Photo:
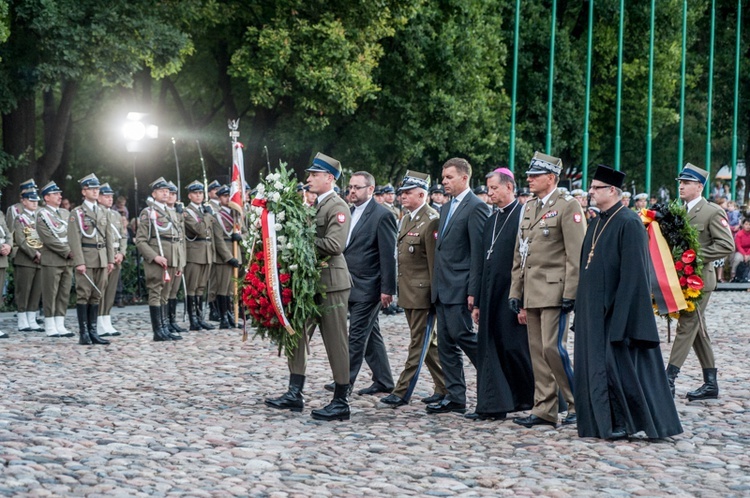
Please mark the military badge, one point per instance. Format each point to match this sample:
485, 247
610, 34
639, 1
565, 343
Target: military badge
577, 218
341, 217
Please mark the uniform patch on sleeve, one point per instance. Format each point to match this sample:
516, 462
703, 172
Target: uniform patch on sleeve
341, 217
724, 222
577, 217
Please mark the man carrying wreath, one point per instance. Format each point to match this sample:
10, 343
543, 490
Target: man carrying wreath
332, 222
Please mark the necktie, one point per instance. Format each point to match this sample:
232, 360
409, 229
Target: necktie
539, 205
454, 203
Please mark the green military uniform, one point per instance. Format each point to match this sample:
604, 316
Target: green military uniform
224, 260
6, 242
545, 273
212, 284
175, 212
117, 231
26, 260
199, 246
416, 252
159, 235
93, 252
716, 242
57, 264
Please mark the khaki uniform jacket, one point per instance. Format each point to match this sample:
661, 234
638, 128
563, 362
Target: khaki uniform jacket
416, 257
714, 236
222, 231
332, 222
118, 232
52, 228
12, 213
155, 218
555, 237
199, 235
6, 237
23, 253
87, 236
179, 222
393, 209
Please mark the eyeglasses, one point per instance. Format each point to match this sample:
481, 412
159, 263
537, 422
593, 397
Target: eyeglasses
357, 187
597, 187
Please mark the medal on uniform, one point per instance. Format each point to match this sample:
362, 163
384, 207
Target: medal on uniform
523, 250
411, 249
545, 230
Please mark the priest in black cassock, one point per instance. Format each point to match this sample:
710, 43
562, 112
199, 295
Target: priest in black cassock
620, 385
505, 380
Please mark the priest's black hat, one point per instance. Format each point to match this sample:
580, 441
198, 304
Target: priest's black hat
607, 175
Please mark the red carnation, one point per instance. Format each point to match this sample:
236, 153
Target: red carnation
263, 302
689, 270
285, 300
679, 265
688, 256
284, 278
254, 268
259, 256
287, 293
683, 281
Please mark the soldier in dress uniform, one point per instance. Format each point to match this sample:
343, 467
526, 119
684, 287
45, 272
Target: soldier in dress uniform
389, 198
17, 208
626, 199
27, 257
157, 239
57, 260
93, 257
224, 236
545, 281
176, 210
117, 232
416, 252
523, 195
437, 196
199, 245
6, 246
215, 206
641, 201
332, 220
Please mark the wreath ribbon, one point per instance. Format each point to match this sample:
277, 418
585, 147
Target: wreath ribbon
268, 230
664, 281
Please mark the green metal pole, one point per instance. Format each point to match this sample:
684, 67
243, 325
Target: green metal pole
589, 51
710, 96
736, 102
681, 140
553, 25
619, 85
512, 158
649, 134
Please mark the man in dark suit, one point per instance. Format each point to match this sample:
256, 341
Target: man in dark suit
456, 280
370, 255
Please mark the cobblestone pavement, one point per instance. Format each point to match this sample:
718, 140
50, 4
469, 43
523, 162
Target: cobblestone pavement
139, 418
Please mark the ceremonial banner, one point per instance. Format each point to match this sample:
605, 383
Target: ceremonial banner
237, 189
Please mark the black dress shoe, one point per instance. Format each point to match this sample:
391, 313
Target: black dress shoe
394, 401
570, 419
435, 398
617, 434
446, 406
485, 416
373, 389
532, 420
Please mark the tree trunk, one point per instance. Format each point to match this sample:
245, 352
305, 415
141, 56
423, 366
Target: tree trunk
57, 119
19, 137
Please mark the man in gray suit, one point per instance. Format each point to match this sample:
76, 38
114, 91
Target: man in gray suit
456, 280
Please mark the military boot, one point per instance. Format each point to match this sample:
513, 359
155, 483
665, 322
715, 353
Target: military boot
160, 335
338, 408
223, 302
213, 314
292, 399
199, 314
710, 388
93, 315
192, 313
172, 308
672, 372
83, 324
165, 323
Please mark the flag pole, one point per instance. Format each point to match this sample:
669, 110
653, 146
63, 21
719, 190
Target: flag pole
234, 134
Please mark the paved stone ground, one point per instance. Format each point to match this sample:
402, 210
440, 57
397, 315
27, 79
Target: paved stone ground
139, 418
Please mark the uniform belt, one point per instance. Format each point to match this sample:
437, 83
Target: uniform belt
100, 245
172, 239
227, 240
207, 239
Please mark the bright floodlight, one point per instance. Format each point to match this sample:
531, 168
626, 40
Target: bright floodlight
152, 131
134, 131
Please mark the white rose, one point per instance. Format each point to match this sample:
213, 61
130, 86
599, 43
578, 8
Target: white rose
278, 227
261, 190
289, 246
293, 267
278, 186
281, 216
275, 197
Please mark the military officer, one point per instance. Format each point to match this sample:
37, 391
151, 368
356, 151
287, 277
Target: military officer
199, 245
27, 258
117, 231
93, 257
389, 197
158, 239
6, 246
57, 260
176, 210
332, 221
544, 282
224, 236
416, 252
17, 208
215, 206
716, 242
437, 196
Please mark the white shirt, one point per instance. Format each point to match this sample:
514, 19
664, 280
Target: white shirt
690, 205
324, 195
356, 215
91, 205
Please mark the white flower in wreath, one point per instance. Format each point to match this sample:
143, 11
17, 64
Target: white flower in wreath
293, 267
274, 197
289, 246
281, 239
261, 190
278, 186
278, 227
281, 216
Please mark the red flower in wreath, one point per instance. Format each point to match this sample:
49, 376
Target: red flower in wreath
688, 256
689, 270
679, 265
683, 281
695, 282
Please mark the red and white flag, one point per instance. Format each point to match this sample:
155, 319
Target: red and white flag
237, 189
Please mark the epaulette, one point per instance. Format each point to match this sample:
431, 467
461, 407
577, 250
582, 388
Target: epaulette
432, 216
568, 197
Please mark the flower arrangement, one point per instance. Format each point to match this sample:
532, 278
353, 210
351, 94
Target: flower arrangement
682, 239
282, 276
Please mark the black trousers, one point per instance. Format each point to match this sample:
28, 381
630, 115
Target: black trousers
366, 343
455, 333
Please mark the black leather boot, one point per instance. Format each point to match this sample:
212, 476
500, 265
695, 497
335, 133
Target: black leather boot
93, 314
213, 310
292, 399
165, 323
338, 408
159, 334
223, 301
199, 314
83, 324
672, 372
172, 306
192, 317
710, 388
